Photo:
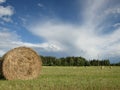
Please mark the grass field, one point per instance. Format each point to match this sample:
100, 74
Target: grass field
69, 78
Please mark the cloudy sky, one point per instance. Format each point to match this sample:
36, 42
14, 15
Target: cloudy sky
88, 28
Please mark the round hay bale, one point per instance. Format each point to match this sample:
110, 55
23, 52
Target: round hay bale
21, 63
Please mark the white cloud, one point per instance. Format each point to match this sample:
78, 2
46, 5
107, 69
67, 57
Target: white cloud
116, 25
44, 46
6, 12
85, 40
2, 1
9, 40
113, 11
7, 19
93, 11
6, 37
78, 40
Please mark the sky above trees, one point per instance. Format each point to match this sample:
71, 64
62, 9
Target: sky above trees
88, 28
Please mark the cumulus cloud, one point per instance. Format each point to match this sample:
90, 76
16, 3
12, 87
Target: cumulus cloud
2, 1
86, 39
6, 12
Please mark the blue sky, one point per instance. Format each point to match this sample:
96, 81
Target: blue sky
88, 28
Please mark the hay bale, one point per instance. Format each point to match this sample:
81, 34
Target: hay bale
21, 63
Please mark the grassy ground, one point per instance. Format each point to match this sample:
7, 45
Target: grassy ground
69, 78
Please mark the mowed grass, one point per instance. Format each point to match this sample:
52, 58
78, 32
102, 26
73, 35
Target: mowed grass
69, 78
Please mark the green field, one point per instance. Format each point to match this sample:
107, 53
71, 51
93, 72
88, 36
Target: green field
69, 78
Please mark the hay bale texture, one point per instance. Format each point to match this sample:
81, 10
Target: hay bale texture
21, 63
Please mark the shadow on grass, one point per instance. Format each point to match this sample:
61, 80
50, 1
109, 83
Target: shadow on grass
2, 77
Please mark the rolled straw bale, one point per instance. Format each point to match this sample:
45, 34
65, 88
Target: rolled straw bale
21, 63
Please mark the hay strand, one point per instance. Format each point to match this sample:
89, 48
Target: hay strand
21, 63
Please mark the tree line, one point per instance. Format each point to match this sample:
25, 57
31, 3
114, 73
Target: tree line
74, 61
